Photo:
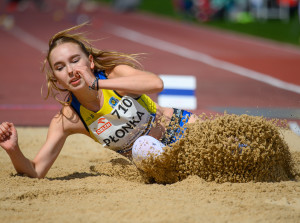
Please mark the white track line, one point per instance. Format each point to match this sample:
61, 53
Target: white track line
204, 58
254, 40
28, 38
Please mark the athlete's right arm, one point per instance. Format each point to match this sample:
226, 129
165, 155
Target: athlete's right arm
60, 128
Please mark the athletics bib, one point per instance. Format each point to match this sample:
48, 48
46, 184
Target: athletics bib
119, 129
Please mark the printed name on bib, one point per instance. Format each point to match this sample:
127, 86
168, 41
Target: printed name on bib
120, 133
127, 121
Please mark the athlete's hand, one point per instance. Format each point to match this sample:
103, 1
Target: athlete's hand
8, 136
86, 73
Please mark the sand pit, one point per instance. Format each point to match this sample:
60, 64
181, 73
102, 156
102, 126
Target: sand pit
226, 148
90, 184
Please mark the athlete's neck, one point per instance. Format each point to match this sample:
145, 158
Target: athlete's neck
89, 99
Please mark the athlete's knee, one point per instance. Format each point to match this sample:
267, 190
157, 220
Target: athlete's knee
194, 118
145, 146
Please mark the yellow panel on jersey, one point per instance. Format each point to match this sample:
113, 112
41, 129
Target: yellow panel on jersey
120, 121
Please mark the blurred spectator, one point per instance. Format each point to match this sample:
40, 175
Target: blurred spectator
242, 11
8, 7
75, 14
185, 7
21, 5
126, 5
73, 5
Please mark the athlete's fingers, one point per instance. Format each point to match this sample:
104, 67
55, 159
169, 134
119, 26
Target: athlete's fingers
5, 129
11, 126
77, 70
86, 74
6, 125
2, 133
2, 137
82, 70
2, 129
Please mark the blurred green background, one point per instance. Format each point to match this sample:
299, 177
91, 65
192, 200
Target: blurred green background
278, 29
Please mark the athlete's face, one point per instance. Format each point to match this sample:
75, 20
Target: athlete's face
67, 61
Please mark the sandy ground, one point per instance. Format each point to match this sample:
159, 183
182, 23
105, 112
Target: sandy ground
90, 184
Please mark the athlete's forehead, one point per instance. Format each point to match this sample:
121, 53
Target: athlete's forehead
65, 48
64, 51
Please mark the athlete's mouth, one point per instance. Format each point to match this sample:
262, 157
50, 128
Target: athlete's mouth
74, 80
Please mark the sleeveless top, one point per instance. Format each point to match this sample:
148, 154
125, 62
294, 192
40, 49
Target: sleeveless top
120, 120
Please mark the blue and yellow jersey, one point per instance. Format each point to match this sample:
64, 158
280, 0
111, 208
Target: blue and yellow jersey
120, 120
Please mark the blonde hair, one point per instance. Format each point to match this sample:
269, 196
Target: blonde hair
103, 60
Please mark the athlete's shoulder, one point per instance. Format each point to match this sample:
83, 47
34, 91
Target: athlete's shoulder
69, 121
121, 70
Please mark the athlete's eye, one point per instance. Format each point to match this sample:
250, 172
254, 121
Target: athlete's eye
59, 68
75, 59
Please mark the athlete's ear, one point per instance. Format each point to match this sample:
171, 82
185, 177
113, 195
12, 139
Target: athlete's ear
91, 59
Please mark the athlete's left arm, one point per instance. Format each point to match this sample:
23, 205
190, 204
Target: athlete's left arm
126, 79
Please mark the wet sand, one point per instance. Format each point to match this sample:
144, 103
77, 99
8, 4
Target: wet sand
88, 183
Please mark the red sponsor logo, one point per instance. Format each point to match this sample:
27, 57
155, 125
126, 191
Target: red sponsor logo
103, 127
101, 120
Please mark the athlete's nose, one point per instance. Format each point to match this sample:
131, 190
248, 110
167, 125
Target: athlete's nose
70, 70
